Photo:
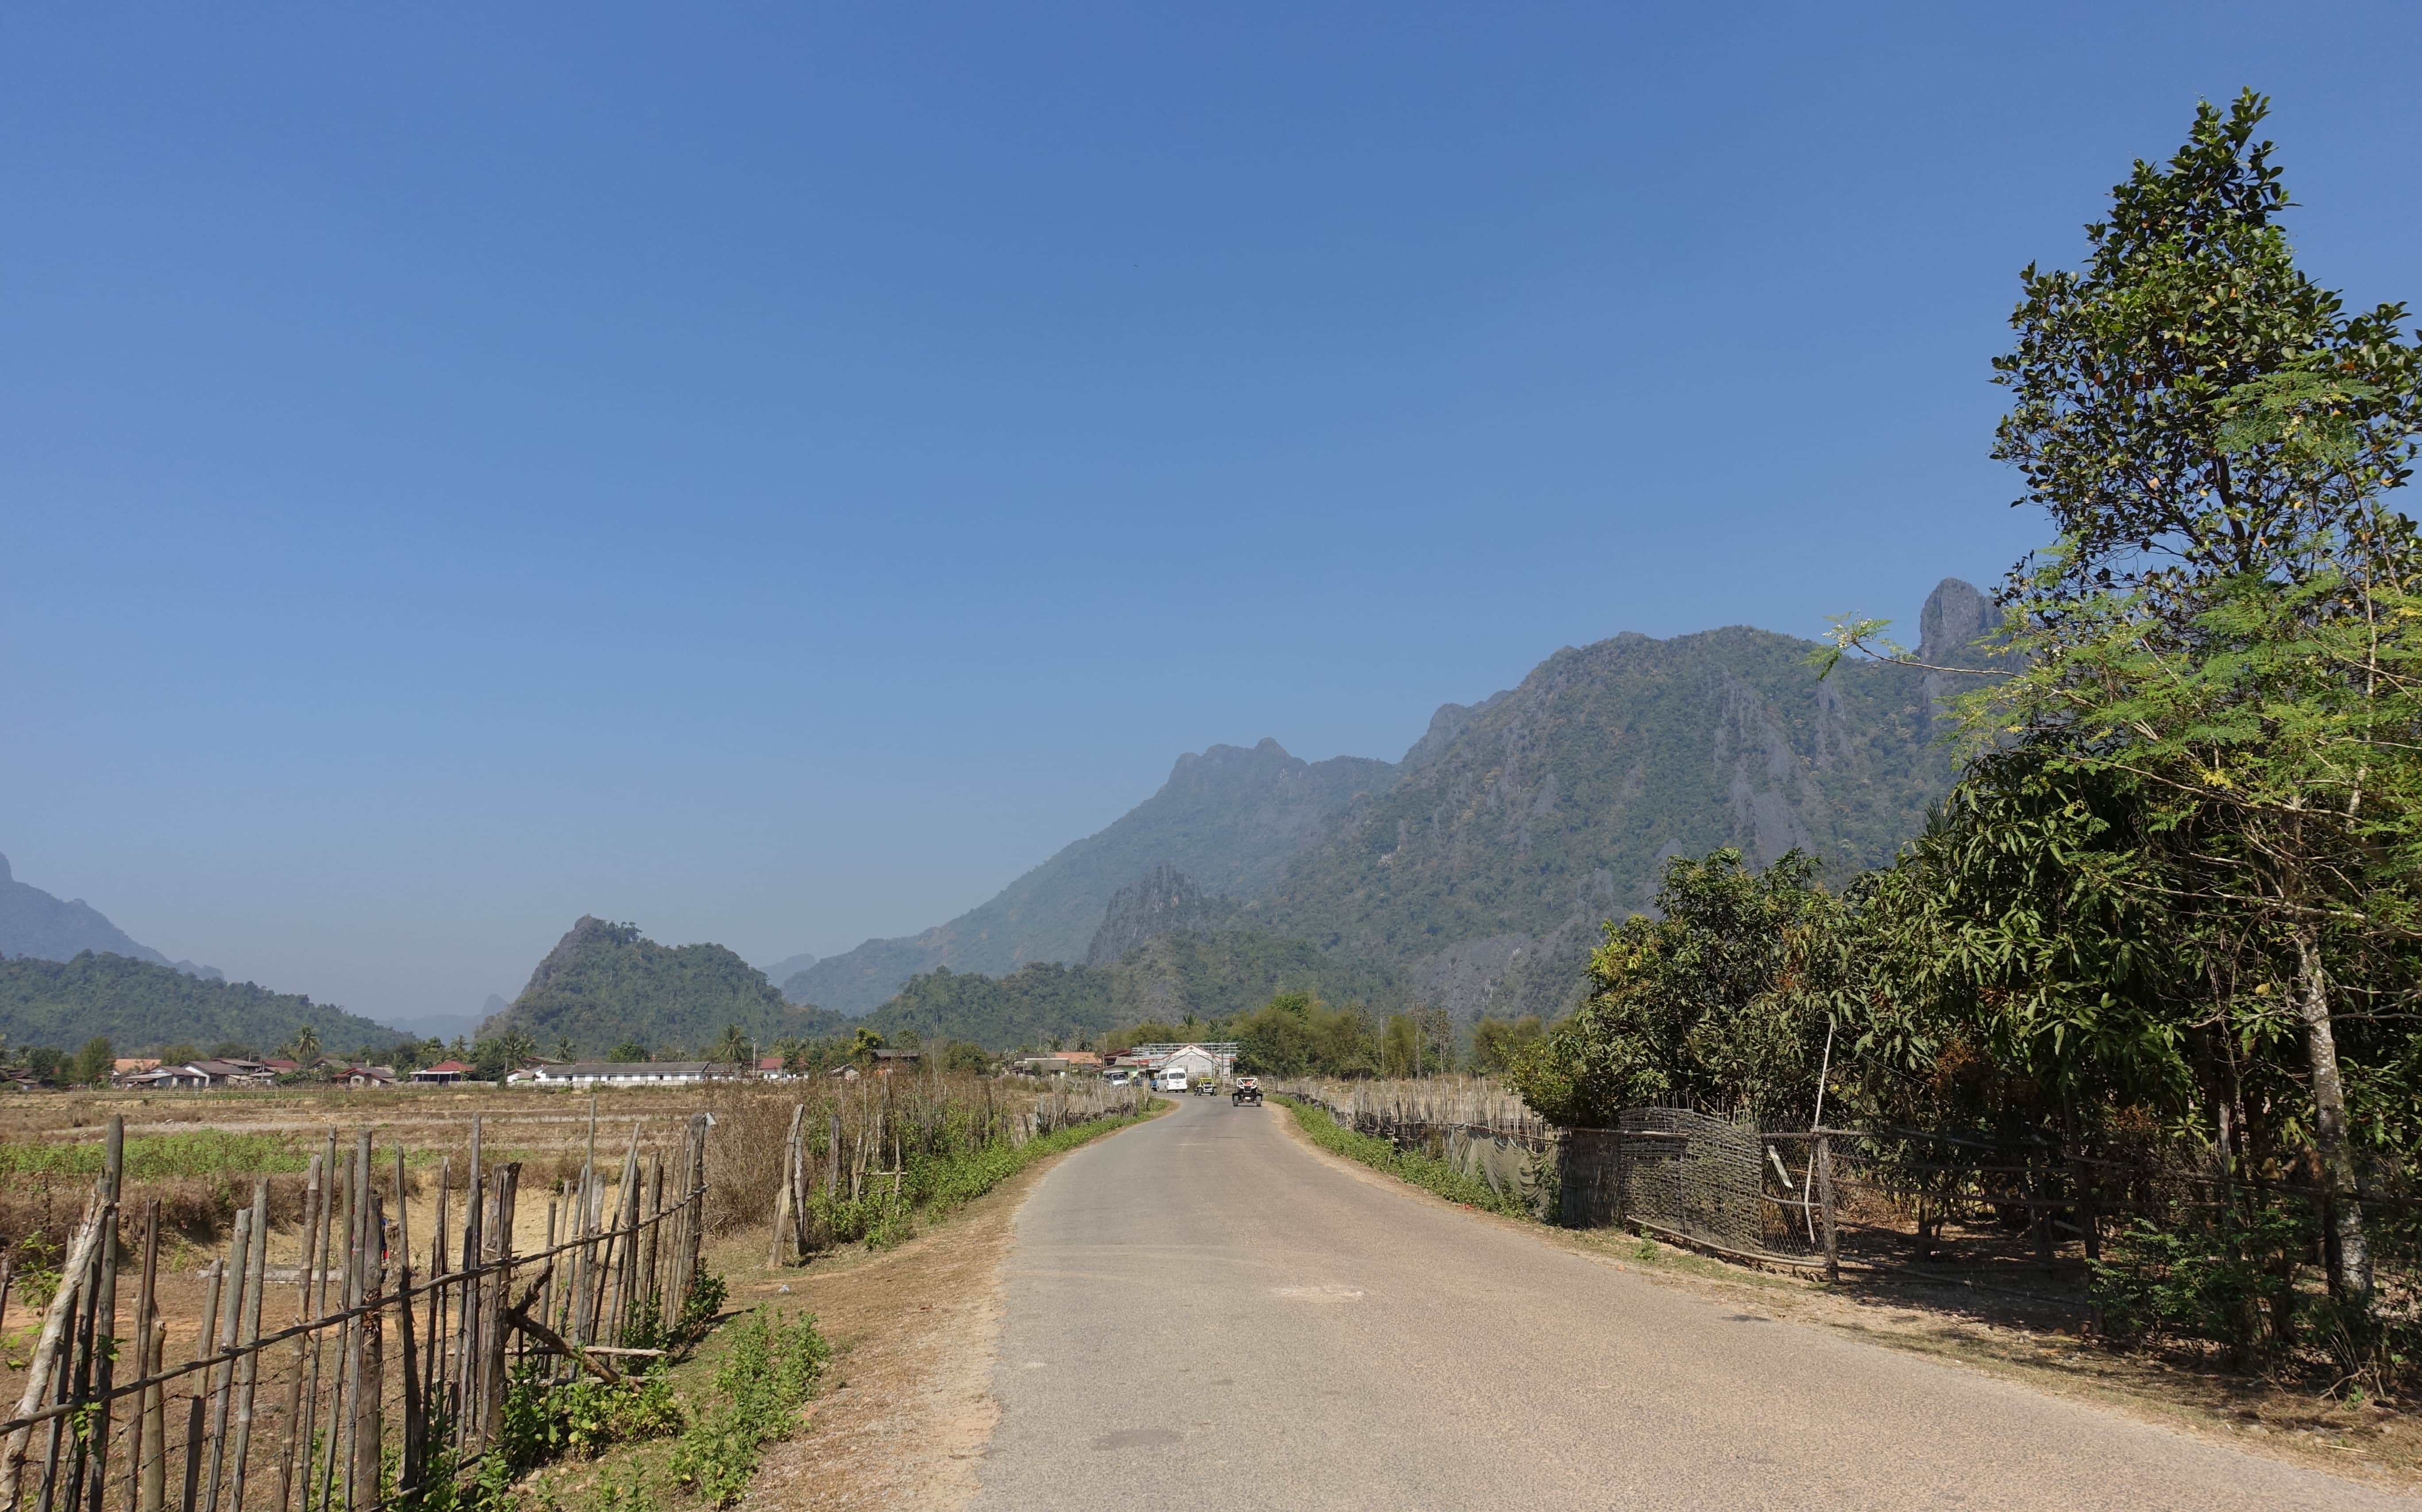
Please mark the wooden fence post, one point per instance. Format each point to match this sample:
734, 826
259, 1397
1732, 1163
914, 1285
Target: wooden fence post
1825, 1196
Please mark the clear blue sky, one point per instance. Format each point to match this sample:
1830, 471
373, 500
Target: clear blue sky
775, 473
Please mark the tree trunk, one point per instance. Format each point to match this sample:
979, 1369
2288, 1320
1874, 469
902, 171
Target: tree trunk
2350, 1252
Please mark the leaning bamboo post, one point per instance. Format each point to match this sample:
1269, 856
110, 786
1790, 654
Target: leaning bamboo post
75, 1381
466, 1326
367, 1435
248, 1369
432, 1388
341, 1385
545, 1302
508, 1185
146, 1314
318, 1252
153, 1493
577, 1293
214, 1282
344, 1412
289, 1433
466, 1307
194, 1407
39, 1373
654, 1289
409, 1471
113, 1172
774, 1255
625, 1243
223, 1375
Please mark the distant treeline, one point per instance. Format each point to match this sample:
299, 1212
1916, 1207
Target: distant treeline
1182, 977
139, 1007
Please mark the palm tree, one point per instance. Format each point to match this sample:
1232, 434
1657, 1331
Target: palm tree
735, 1048
306, 1046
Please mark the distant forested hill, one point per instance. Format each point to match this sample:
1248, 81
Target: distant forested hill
605, 984
1206, 975
142, 1005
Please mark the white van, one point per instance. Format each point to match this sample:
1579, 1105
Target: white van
1173, 1081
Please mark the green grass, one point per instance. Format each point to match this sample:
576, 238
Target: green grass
933, 1185
203, 1153
769, 1375
1422, 1171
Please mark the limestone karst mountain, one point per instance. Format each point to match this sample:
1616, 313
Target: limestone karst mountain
1475, 873
604, 984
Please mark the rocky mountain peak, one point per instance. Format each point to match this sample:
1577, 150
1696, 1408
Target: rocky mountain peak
1163, 900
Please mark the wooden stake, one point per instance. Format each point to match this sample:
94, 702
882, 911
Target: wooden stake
248, 1369
223, 1375
41, 1371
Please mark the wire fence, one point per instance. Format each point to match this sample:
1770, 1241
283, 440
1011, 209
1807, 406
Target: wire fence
385, 1389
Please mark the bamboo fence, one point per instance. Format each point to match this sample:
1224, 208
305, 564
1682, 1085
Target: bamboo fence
390, 1381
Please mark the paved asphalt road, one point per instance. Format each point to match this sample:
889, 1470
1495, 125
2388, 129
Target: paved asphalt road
1203, 1314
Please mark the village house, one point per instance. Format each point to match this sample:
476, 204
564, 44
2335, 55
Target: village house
621, 1074
445, 1073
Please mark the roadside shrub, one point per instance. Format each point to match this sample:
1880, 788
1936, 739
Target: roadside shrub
769, 1373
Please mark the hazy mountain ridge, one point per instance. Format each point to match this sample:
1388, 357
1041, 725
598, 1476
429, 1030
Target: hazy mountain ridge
35, 922
1228, 817
1474, 874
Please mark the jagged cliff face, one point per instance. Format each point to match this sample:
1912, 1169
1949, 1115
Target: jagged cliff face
1164, 900
1228, 818
1486, 872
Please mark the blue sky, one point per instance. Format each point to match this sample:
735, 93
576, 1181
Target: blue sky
775, 473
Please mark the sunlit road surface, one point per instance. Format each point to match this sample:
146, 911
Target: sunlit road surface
1202, 1312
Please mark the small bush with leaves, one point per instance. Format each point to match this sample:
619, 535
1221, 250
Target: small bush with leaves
2228, 1278
771, 1370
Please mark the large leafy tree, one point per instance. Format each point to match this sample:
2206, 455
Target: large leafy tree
2223, 638
1721, 1002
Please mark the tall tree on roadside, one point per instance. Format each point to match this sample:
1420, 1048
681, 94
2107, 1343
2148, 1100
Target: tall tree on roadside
2226, 632
1723, 1001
